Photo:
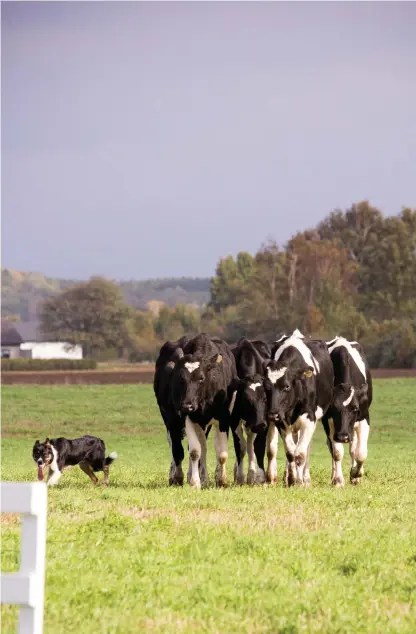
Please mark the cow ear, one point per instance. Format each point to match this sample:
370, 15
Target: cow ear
217, 358
306, 372
362, 390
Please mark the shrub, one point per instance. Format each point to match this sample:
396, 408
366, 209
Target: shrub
22, 364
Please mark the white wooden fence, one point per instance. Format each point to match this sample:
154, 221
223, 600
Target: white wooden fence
26, 587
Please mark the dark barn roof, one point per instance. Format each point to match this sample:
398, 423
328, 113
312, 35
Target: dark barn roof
13, 333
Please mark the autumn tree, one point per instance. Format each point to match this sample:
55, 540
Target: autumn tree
92, 314
229, 283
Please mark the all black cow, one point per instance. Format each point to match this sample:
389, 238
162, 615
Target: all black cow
299, 385
348, 420
249, 413
202, 391
169, 355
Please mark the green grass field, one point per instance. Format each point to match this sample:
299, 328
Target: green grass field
142, 556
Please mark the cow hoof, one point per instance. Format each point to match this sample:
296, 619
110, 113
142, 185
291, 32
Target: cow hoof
176, 482
221, 484
271, 478
307, 482
355, 481
195, 484
337, 482
251, 477
238, 477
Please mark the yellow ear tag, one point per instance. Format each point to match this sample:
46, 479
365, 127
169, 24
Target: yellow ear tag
308, 373
219, 358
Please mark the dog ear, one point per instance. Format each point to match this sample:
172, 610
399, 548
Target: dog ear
47, 442
37, 442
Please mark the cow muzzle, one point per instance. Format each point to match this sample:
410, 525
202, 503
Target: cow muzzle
273, 417
259, 428
342, 438
188, 407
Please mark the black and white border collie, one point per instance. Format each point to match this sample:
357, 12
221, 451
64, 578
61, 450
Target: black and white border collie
59, 453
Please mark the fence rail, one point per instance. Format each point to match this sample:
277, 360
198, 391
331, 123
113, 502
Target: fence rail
26, 587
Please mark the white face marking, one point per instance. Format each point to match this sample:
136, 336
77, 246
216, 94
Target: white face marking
297, 343
353, 352
275, 375
349, 399
253, 386
191, 367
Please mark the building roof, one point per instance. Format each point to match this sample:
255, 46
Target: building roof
13, 333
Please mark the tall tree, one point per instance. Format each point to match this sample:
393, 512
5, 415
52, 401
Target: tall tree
229, 283
92, 314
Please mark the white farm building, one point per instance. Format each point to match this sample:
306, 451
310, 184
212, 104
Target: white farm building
24, 339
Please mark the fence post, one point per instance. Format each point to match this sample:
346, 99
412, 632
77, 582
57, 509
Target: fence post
26, 587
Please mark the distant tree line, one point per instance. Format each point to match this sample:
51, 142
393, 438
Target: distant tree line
353, 275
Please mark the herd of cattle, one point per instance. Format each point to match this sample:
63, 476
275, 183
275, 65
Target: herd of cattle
258, 392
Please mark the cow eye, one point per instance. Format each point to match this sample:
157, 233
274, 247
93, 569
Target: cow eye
201, 380
286, 388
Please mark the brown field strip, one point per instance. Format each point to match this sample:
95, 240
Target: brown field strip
143, 374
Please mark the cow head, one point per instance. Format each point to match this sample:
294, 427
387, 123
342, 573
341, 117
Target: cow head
345, 409
190, 381
252, 396
284, 387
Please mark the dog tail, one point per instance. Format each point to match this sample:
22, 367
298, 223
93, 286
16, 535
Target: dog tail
111, 458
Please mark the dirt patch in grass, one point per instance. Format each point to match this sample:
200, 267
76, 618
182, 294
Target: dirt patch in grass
264, 521
11, 520
132, 376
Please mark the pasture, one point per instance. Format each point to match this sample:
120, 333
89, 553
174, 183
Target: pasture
140, 556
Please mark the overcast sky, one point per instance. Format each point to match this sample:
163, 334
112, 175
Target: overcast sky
150, 139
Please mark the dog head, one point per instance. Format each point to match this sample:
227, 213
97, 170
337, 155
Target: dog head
42, 454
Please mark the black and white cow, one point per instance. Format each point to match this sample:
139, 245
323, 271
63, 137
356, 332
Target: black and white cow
201, 390
299, 384
347, 420
249, 412
169, 355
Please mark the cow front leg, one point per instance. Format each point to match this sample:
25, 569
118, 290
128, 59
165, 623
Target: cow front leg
221, 450
337, 453
289, 444
240, 447
176, 476
307, 427
271, 444
260, 452
196, 438
306, 472
251, 474
360, 450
